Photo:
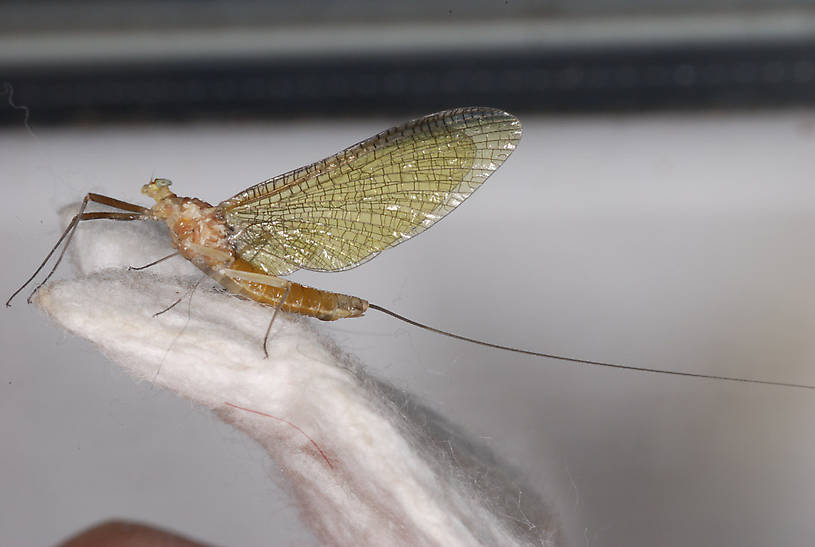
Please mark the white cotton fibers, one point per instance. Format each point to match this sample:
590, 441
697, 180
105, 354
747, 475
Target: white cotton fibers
364, 462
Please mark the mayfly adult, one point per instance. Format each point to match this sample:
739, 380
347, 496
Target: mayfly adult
334, 215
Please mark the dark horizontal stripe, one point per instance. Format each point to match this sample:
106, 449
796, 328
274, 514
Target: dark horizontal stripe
720, 75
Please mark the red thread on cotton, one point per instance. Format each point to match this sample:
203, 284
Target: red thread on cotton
320, 450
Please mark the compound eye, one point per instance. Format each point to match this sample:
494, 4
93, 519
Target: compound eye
163, 183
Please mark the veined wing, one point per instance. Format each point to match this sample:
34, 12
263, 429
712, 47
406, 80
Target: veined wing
342, 211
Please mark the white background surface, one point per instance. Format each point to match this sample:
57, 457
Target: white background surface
671, 241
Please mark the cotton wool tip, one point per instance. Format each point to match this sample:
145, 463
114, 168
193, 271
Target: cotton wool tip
365, 463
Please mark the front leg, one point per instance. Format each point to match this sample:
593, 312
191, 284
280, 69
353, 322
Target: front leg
137, 212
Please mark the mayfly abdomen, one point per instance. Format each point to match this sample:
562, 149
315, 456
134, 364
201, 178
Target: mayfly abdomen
325, 305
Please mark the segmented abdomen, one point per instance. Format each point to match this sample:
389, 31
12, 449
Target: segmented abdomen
325, 305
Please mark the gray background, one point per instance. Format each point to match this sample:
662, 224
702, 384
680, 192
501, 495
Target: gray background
677, 241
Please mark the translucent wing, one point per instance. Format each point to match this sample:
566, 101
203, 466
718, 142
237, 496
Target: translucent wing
342, 211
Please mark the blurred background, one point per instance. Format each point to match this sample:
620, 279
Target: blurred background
176, 59
658, 212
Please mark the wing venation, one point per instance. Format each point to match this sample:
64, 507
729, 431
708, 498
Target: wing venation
337, 213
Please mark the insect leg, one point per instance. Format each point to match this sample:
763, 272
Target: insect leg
174, 304
138, 213
117, 203
153, 263
274, 316
254, 277
235, 277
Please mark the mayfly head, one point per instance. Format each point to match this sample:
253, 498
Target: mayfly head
158, 189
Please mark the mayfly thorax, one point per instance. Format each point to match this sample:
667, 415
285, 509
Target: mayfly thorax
201, 235
336, 214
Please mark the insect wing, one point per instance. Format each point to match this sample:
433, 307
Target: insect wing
342, 211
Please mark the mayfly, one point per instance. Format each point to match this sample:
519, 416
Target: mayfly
336, 214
